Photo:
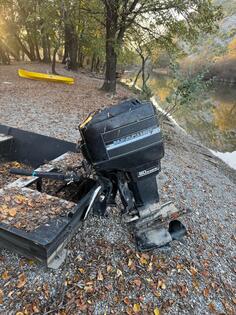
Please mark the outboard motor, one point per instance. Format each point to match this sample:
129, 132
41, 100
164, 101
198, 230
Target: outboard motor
122, 148
124, 145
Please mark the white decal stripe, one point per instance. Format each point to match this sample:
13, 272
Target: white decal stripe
133, 138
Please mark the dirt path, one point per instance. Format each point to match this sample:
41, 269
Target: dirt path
103, 273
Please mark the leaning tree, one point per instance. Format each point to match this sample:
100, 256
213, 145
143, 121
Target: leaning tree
169, 18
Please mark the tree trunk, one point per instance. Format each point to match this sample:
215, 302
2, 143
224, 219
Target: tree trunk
109, 84
54, 60
80, 56
4, 58
44, 39
143, 72
93, 63
71, 45
65, 55
49, 49
67, 43
136, 79
46, 58
144, 80
37, 51
73, 53
97, 66
24, 49
31, 48
80, 60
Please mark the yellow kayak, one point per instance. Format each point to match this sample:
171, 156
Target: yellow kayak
44, 76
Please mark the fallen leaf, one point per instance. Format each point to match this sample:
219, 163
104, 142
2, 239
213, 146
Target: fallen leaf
213, 285
1, 296
46, 290
68, 295
193, 271
228, 308
129, 311
88, 289
20, 199
150, 267
10, 294
100, 276
161, 284
31, 262
204, 237
79, 258
89, 283
118, 273
149, 280
212, 307
5, 275
16, 164
183, 290
157, 293
146, 256
116, 299
143, 259
30, 203
156, 311
131, 264
126, 300
141, 298
206, 292
179, 267
12, 212
137, 282
109, 287
81, 305
21, 281
206, 263
136, 308
196, 284
205, 273
35, 309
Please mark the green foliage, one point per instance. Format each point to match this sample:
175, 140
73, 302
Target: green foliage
187, 87
146, 92
96, 24
127, 57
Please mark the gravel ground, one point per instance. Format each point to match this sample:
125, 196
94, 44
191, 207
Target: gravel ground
52, 109
103, 272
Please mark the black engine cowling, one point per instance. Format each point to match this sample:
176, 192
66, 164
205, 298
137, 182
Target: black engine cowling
126, 139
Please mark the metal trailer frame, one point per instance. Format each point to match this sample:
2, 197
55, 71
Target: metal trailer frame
31, 148
47, 242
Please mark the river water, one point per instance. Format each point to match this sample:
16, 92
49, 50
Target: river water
211, 118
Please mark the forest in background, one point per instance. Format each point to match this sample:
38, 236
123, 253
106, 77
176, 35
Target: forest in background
217, 51
101, 33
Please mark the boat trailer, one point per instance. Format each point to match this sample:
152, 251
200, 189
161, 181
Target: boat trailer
118, 157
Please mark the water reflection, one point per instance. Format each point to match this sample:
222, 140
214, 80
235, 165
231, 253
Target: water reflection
211, 119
